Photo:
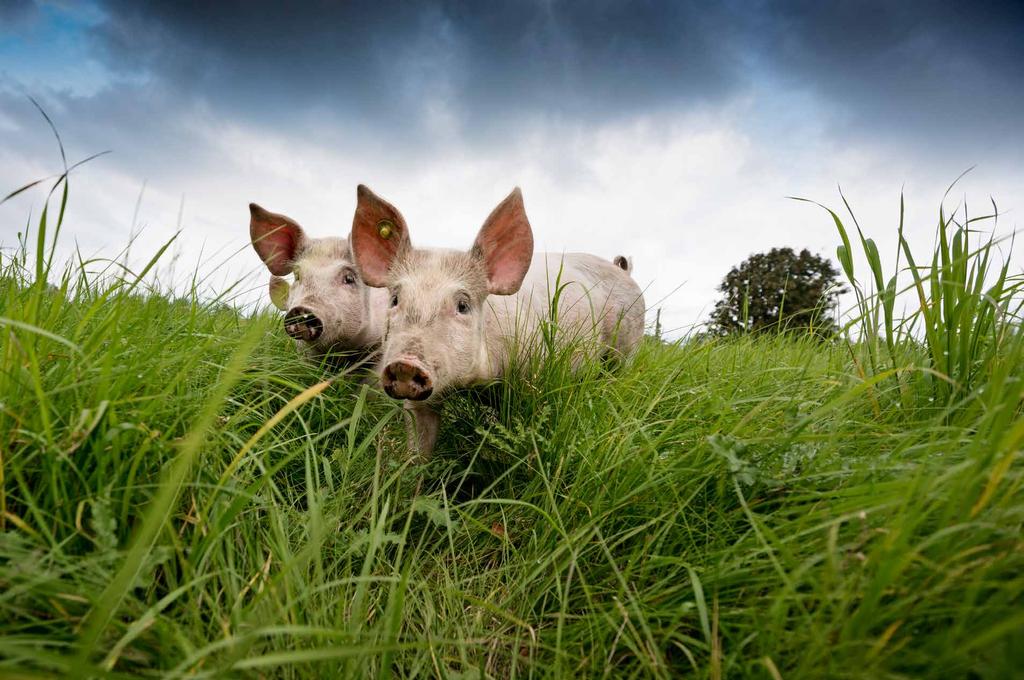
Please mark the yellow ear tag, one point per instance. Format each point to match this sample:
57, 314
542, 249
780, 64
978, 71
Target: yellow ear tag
385, 228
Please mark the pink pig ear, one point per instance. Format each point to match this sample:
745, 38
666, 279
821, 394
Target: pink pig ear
378, 235
275, 238
505, 243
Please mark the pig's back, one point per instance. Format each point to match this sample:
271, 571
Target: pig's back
598, 300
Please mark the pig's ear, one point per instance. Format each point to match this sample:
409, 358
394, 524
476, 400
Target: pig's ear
275, 238
505, 243
279, 289
379, 234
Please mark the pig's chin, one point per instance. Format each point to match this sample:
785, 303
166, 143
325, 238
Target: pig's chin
328, 344
418, 398
335, 346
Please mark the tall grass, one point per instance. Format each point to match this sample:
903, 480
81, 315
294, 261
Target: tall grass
183, 496
967, 310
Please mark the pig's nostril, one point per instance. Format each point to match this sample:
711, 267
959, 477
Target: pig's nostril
404, 380
302, 324
316, 327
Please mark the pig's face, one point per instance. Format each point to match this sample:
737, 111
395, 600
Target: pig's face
435, 323
434, 335
326, 304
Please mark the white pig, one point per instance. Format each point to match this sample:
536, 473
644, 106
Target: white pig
329, 311
455, 318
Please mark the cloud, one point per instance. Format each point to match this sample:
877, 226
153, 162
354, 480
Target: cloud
941, 75
917, 70
923, 77
18, 13
395, 64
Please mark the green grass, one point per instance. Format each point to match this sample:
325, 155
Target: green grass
183, 496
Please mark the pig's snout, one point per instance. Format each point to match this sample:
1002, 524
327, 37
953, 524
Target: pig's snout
407, 378
302, 324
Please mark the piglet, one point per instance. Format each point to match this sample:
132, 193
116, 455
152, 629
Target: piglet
329, 310
455, 318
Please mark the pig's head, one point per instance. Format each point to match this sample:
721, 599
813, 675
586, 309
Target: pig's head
434, 335
326, 305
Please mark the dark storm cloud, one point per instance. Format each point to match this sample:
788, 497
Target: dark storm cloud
915, 68
918, 69
17, 13
391, 61
163, 141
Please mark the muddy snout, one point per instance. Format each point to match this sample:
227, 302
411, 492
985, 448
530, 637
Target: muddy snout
407, 378
302, 324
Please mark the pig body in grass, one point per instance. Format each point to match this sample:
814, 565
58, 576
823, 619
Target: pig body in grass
455, 318
329, 311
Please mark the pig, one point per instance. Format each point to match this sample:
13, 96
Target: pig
329, 311
459, 318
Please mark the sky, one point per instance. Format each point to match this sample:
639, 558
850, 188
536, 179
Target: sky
672, 132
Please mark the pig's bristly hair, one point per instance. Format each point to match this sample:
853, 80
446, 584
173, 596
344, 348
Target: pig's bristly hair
429, 268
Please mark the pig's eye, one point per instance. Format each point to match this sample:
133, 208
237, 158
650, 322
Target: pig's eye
462, 306
348, 279
394, 299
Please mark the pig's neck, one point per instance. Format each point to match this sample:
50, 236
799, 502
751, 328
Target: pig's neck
494, 355
487, 362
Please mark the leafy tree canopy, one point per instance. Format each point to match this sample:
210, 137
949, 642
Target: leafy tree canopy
778, 290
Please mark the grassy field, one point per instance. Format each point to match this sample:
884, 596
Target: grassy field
183, 496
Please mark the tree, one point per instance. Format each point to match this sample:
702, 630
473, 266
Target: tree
778, 290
